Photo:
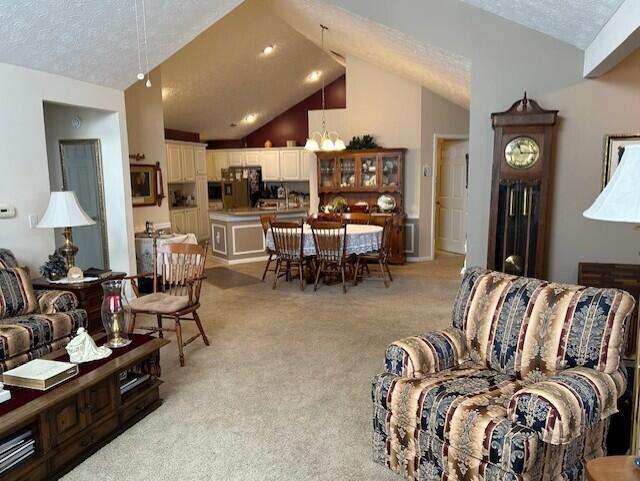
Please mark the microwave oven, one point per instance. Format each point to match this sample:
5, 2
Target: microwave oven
215, 191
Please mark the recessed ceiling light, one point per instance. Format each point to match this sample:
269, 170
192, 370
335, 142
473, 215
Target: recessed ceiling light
269, 49
250, 118
314, 76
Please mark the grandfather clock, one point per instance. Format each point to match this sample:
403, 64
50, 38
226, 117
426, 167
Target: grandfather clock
520, 194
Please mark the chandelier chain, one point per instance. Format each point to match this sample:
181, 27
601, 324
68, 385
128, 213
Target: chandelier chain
135, 3
144, 29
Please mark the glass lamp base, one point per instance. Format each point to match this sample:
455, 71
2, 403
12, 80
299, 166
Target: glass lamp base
117, 342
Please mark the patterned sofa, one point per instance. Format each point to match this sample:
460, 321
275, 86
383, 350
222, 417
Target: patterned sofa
32, 323
519, 388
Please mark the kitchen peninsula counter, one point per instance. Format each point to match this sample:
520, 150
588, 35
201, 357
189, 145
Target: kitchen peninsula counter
236, 234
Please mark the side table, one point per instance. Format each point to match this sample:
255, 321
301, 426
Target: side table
89, 296
613, 468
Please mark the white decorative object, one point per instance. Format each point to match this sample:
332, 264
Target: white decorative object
82, 348
4, 394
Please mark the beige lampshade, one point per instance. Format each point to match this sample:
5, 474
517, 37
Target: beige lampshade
64, 211
620, 199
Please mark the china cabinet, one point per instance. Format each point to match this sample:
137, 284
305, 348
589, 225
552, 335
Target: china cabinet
363, 176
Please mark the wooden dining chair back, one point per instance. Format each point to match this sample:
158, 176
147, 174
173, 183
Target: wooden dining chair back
178, 273
330, 239
355, 218
288, 240
266, 221
380, 256
325, 216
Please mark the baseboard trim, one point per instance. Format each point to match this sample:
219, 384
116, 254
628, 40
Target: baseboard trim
249, 260
420, 259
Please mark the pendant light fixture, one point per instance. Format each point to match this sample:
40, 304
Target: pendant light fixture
325, 140
141, 75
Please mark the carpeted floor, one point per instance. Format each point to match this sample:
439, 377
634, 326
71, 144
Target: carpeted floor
283, 392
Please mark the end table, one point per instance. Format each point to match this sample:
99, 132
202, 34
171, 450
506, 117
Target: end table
89, 296
613, 468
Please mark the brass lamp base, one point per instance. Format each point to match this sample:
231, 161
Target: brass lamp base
68, 249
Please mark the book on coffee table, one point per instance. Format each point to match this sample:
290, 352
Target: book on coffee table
40, 374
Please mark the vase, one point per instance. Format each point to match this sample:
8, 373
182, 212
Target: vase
116, 314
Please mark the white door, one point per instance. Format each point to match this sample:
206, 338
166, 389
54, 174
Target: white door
270, 162
290, 164
451, 196
236, 158
81, 174
174, 164
201, 161
202, 201
188, 163
191, 221
307, 162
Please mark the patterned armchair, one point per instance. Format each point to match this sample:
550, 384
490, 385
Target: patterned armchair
519, 388
32, 323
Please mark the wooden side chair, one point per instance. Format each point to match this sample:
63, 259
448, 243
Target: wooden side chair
288, 240
330, 239
176, 290
381, 256
266, 221
355, 218
326, 217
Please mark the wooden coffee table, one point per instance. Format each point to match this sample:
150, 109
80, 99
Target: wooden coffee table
73, 420
613, 468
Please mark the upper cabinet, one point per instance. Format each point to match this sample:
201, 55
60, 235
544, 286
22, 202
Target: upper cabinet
278, 165
184, 161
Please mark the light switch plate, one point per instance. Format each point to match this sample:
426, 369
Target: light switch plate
33, 221
426, 170
7, 211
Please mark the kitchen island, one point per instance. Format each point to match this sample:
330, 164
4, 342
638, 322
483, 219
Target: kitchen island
236, 234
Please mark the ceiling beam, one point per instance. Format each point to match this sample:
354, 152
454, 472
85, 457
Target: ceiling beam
618, 38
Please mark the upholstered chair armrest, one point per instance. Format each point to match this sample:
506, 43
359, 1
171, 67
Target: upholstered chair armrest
565, 406
428, 353
51, 302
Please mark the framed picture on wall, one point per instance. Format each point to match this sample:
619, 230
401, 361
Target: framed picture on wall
613, 149
146, 185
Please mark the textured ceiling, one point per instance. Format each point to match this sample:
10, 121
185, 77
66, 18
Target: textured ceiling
221, 76
576, 22
443, 72
95, 40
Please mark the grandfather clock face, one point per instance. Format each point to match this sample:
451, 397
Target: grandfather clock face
521, 163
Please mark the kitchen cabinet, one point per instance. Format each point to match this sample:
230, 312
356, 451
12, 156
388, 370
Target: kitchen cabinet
202, 201
174, 163
184, 220
216, 161
307, 162
252, 158
188, 158
236, 158
178, 224
191, 220
201, 161
290, 165
270, 162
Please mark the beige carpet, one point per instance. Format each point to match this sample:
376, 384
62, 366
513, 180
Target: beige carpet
283, 392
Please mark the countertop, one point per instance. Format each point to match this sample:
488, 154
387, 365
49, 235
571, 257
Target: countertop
253, 212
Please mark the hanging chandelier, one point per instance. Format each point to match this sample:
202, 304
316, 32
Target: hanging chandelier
325, 141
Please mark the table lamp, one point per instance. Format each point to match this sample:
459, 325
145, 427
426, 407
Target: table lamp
64, 211
620, 202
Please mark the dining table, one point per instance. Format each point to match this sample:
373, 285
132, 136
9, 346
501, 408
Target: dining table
361, 238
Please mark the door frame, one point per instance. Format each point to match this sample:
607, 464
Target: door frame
65, 185
436, 161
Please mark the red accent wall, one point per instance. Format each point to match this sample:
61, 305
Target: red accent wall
172, 134
293, 124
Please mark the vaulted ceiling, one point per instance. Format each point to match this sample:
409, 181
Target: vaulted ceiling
222, 76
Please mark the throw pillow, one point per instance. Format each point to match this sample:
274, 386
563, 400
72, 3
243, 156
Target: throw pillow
16, 293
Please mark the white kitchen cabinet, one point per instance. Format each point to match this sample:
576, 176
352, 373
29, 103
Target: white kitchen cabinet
236, 158
187, 154
201, 161
202, 201
191, 220
290, 164
178, 223
270, 162
307, 162
252, 157
211, 166
174, 163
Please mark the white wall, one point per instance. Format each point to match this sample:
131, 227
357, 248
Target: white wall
24, 181
145, 126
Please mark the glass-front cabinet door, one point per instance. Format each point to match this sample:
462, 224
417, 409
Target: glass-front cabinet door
327, 173
390, 164
347, 169
368, 178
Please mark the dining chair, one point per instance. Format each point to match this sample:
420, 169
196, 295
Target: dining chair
266, 221
288, 240
330, 239
380, 256
325, 217
178, 272
355, 218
